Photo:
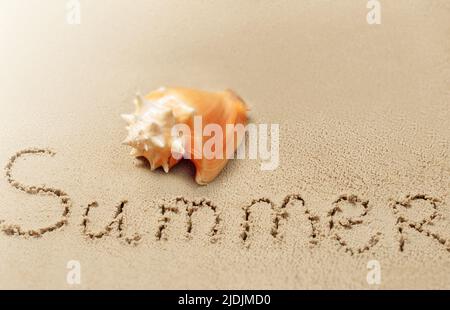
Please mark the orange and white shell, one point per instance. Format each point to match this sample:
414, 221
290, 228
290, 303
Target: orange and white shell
150, 127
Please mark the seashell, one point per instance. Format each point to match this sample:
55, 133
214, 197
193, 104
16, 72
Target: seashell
150, 128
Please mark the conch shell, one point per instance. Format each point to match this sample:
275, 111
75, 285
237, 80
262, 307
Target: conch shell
151, 136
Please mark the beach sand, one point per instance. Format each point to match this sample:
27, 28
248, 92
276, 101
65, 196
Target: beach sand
364, 175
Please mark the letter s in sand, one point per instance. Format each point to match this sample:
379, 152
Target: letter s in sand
42, 190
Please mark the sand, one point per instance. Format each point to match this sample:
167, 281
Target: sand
364, 170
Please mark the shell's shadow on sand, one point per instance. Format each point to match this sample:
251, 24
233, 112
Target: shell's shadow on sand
184, 169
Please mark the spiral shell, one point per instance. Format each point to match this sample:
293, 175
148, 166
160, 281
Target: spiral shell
150, 128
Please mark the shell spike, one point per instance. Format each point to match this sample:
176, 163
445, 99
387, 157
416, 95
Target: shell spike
129, 118
165, 167
138, 102
127, 141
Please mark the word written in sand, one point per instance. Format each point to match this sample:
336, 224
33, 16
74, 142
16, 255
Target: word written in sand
285, 218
